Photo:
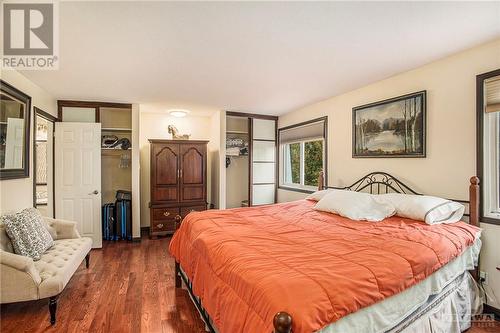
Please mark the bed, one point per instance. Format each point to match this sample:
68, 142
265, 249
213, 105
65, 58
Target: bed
286, 267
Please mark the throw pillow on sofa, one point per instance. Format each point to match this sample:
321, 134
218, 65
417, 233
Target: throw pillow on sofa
27, 232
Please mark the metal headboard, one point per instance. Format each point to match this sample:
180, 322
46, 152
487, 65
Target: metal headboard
379, 183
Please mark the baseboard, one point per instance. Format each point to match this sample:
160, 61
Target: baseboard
136, 239
490, 309
144, 231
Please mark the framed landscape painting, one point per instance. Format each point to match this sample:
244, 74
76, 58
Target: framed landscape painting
390, 128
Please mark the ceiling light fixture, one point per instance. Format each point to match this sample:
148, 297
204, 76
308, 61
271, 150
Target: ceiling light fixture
178, 113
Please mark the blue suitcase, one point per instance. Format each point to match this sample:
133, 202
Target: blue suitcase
108, 221
124, 219
123, 213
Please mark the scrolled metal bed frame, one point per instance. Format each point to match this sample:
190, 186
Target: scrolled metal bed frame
374, 183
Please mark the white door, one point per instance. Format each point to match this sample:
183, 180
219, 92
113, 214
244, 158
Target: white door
78, 177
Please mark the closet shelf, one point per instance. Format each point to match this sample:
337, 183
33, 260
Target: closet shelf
236, 132
241, 155
110, 129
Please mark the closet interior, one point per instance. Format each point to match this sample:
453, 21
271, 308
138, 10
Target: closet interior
251, 155
116, 171
237, 161
116, 160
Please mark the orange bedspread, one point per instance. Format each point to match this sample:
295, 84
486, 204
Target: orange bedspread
246, 264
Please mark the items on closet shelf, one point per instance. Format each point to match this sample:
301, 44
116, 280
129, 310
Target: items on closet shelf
236, 147
112, 141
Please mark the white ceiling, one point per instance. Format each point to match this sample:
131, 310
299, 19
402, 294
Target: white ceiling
255, 57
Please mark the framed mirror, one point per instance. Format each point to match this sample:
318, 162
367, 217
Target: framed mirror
15, 107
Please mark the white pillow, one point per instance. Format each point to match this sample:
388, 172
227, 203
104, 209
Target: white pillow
318, 195
355, 205
432, 210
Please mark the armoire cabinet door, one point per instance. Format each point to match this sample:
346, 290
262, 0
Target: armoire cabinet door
165, 179
193, 172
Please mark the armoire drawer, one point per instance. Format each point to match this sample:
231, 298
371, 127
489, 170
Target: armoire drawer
163, 226
187, 210
165, 214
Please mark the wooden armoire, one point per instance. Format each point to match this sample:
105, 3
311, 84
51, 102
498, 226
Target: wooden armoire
178, 182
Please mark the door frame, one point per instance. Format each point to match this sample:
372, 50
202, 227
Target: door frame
251, 117
47, 116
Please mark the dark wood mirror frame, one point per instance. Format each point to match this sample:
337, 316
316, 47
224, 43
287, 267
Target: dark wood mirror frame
24, 171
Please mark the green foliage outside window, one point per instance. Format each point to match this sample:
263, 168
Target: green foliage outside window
313, 162
295, 162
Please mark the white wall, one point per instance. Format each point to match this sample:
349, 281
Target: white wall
451, 130
222, 161
214, 156
16, 194
136, 169
154, 125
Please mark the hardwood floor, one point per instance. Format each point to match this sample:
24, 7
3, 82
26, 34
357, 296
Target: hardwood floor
129, 287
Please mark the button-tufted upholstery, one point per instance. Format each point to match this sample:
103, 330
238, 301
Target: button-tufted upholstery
22, 279
58, 264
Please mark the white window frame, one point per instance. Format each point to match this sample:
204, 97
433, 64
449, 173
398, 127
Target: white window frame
491, 165
283, 151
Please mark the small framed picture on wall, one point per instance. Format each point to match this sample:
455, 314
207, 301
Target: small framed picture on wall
391, 128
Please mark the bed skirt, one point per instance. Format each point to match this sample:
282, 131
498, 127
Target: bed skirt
450, 311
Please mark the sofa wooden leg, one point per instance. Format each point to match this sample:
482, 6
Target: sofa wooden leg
87, 260
53, 309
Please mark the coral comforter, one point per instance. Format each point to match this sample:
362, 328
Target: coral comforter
246, 264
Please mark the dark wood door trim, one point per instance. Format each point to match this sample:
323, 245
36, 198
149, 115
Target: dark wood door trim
250, 162
47, 116
250, 115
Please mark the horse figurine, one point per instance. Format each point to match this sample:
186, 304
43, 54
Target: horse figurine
175, 136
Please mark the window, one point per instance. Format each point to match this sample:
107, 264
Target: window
489, 158
292, 163
491, 172
302, 155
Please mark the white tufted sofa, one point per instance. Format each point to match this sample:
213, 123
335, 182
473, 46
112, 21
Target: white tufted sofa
22, 279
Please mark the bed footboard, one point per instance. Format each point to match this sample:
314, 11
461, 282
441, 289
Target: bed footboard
282, 322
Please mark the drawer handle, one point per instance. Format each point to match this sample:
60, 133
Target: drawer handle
160, 225
166, 214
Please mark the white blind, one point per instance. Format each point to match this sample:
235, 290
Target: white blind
310, 131
492, 94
